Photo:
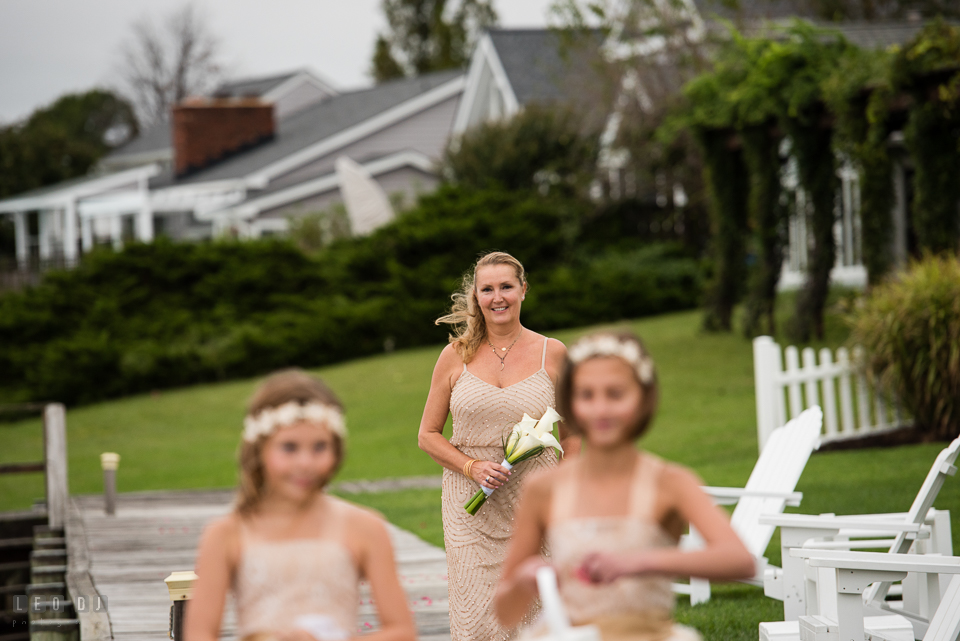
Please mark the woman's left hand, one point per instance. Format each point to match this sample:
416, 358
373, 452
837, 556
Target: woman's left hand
600, 567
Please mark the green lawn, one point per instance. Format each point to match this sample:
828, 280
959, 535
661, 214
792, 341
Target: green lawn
187, 439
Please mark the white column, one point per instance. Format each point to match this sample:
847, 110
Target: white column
44, 220
70, 231
21, 236
116, 231
145, 215
86, 233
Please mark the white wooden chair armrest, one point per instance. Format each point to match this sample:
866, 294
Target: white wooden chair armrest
873, 544
730, 495
820, 522
879, 561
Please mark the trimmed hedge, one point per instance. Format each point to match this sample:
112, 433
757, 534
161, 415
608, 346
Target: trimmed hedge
164, 314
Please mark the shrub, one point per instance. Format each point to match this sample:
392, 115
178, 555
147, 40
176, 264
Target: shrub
163, 315
542, 146
909, 326
613, 286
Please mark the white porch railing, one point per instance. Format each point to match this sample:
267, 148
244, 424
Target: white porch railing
850, 407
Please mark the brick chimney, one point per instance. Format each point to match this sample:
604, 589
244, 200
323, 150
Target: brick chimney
207, 130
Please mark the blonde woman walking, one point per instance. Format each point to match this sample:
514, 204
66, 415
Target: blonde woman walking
493, 371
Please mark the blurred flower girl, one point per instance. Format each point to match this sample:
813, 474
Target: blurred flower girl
613, 517
292, 554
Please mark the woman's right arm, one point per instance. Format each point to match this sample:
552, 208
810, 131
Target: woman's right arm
214, 568
431, 439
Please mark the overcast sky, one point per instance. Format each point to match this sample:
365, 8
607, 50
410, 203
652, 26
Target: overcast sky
52, 47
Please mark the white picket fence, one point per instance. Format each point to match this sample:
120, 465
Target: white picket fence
850, 407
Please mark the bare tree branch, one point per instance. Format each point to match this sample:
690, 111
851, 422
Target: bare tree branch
162, 66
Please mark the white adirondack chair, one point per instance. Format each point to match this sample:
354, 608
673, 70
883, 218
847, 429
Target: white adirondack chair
844, 577
770, 488
945, 624
789, 584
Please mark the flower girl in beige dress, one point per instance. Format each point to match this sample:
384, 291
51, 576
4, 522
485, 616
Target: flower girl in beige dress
292, 554
613, 517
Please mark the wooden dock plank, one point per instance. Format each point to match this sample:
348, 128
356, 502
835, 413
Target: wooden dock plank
155, 533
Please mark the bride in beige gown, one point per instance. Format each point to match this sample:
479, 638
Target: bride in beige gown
493, 372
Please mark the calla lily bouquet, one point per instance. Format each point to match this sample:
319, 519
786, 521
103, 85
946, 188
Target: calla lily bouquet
529, 438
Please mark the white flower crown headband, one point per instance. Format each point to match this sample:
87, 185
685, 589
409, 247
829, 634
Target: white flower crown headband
289, 413
606, 345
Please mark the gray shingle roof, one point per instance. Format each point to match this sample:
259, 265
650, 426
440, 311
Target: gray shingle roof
154, 138
157, 137
754, 9
247, 87
314, 124
541, 65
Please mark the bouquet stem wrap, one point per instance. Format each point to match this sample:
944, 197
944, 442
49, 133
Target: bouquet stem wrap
529, 438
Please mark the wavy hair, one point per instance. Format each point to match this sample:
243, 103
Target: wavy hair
469, 325
280, 387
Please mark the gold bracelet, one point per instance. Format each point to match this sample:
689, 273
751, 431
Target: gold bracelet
468, 466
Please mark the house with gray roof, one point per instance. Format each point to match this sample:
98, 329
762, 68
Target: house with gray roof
259, 152
243, 161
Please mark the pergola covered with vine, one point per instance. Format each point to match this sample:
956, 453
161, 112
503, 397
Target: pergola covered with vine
809, 100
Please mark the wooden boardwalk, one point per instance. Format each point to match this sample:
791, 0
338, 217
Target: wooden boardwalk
156, 533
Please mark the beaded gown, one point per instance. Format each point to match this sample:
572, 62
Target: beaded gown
476, 545
278, 581
630, 608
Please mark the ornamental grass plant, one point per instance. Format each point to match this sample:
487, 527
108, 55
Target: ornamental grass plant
909, 327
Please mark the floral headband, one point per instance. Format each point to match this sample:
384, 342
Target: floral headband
289, 413
606, 345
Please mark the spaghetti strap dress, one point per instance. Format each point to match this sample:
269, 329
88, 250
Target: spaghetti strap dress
277, 582
630, 608
476, 545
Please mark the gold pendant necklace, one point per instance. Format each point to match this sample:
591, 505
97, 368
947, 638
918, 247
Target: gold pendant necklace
506, 350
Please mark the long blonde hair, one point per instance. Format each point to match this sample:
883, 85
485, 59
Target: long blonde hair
280, 387
469, 326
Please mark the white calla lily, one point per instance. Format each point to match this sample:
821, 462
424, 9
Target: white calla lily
526, 424
527, 439
545, 424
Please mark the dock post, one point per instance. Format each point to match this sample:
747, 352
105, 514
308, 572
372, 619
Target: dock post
180, 586
109, 462
55, 450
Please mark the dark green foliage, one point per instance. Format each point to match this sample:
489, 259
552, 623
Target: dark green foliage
425, 36
929, 69
863, 125
816, 164
761, 154
162, 315
617, 284
933, 143
909, 327
63, 140
541, 147
727, 181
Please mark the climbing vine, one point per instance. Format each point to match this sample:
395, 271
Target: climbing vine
859, 94
726, 179
761, 152
829, 99
928, 69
